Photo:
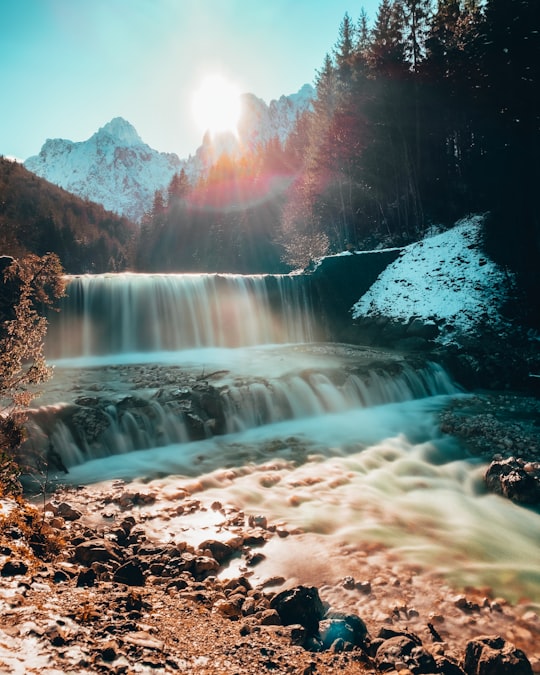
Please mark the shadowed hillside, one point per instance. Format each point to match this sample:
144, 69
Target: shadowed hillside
38, 217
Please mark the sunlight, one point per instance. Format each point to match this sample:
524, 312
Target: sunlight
216, 105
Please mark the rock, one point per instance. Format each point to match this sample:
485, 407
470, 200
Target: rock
86, 578
420, 328
515, 479
89, 423
12, 568
447, 667
258, 521
269, 617
248, 606
204, 565
227, 608
302, 605
386, 633
60, 576
219, 550
56, 635
492, 655
349, 626
401, 650
67, 512
130, 574
109, 651
97, 550
332, 630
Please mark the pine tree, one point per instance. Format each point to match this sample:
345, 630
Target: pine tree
344, 53
178, 188
416, 15
387, 49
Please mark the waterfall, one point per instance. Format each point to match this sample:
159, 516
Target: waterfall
257, 331
221, 383
126, 313
161, 418
309, 394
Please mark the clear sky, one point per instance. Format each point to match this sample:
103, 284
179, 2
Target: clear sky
67, 67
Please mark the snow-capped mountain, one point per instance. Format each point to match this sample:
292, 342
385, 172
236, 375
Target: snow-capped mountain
115, 168
260, 122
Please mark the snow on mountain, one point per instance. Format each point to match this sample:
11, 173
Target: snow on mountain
260, 122
445, 279
117, 169
114, 167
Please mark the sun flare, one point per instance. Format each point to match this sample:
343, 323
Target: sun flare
216, 105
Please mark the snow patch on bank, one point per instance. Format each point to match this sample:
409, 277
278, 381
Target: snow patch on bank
446, 279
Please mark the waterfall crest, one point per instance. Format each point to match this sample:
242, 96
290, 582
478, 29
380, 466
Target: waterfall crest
122, 313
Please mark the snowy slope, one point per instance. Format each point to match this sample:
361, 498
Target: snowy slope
114, 168
446, 279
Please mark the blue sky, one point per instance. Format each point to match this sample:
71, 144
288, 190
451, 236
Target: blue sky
67, 67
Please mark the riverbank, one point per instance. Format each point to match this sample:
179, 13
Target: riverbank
158, 577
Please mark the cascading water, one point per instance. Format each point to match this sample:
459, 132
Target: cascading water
221, 377
126, 313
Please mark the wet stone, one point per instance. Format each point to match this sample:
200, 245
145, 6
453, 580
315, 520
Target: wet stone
13, 568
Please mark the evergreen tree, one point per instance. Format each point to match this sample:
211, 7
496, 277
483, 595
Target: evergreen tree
344, 53
416, 15
178, 187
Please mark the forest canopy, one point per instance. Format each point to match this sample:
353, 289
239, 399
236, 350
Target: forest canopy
38, 217
423, 114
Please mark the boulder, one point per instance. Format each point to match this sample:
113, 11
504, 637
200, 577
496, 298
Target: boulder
302, 605
130, 574
350, 627
97, 550
67, 512
492, 655
12, 568
515, 479
219, 550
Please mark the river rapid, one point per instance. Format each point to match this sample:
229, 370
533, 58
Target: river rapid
339, 442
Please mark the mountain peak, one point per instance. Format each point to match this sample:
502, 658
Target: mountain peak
121, 130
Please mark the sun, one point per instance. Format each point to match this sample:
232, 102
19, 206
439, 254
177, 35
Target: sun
216, 105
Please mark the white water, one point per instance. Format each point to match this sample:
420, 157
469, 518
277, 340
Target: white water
126, 313
337, 441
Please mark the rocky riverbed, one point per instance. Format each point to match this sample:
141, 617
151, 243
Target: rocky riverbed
159, 576
139, 578
504, 430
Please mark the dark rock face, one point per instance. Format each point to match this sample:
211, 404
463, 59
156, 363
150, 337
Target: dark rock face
13, 568
130, 574
491, 655
412, 335
515, 479
339, 281
90, 419
300, 605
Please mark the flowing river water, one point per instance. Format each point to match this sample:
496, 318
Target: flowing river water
339, 441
